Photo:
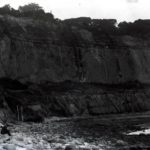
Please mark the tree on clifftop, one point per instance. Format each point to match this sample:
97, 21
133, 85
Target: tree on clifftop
32, 7
6, 9
35, 11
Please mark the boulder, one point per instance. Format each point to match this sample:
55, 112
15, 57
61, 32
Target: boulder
71, 147
9, 147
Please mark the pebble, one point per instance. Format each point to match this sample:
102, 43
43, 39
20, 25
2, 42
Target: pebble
23, 139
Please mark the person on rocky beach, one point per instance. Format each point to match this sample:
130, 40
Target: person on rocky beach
5, 130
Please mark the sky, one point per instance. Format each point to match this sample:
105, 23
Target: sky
122, 10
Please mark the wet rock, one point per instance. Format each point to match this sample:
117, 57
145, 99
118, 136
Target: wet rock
9, 147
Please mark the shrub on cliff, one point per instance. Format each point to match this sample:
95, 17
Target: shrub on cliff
31, 10
32, 7
140, 28
6, 9
35, 11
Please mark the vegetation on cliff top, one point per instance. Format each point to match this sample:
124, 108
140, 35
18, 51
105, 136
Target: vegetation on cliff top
99, 28
96, 26
31, 10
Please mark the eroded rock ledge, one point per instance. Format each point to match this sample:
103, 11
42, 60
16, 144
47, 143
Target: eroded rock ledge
34, 102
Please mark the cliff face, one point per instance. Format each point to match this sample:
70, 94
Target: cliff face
76, 51
38, 51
